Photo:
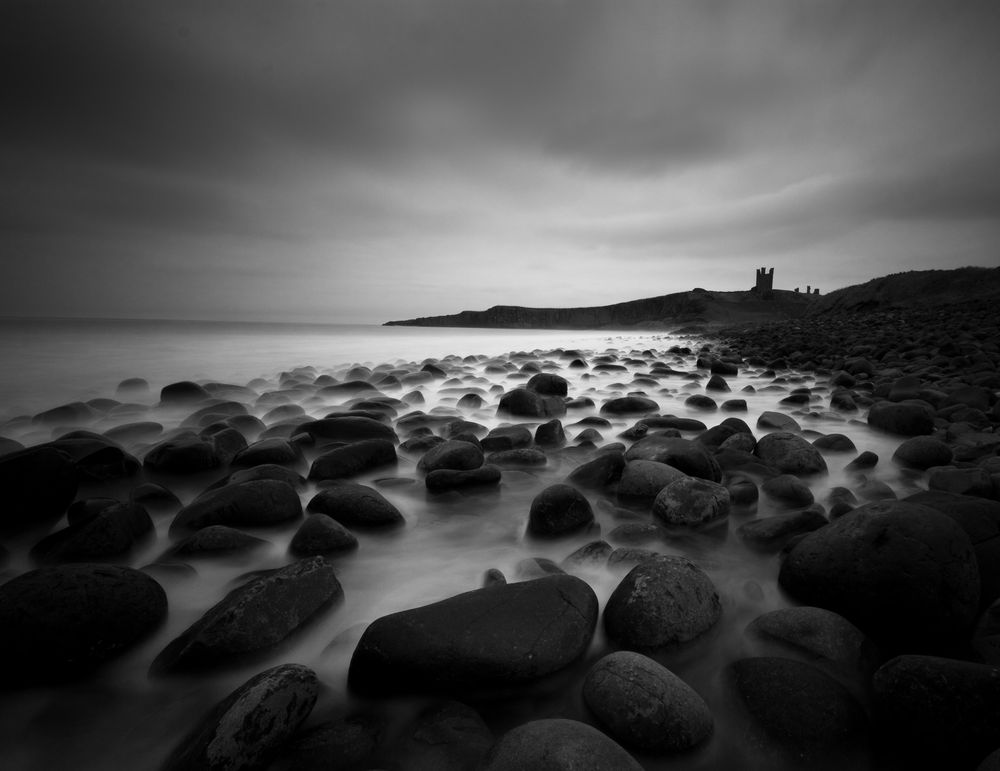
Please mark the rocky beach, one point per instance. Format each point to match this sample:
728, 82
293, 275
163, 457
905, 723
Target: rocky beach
776, 546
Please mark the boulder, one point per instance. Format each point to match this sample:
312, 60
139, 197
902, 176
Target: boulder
253, 618
559, 510
796, 715
550, 434
346, 743
98, 536
644, 705
214, 541
922, 452
320, 534
276, 451
448, 479
507, 438
248, 728
245, 504
452, 454
183, 392
938, 712
354, 505
349, 429
603, 470
629, 405
97, 458
904, 574
661, 601
691, 502
642, 480
548, 384
447, 736
500, 638
522, 402
61, 623
353, 459
907, 418
558, 745
788, 490
778, 421
183, 454
771, 534
37, 485
691, 457
789, 453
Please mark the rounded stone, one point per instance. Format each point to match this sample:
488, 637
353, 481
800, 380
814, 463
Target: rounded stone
559, 510
354, 505
244, 504
907, 418
662, 601
922, 452
320, 534
642, 480
790, 454
789, 490
691, 502
644, 705
453, 454
557, 744
629, 405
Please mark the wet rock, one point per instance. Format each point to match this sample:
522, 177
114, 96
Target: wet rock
183, 392
603, 470
71, 414
819, 637
132, 385
262, 472
346, 743
590, 554
548, 384
558, 745
320, 534
97, 458
453, 454
795, 713
227, 442
864, 461
107, 534
248, 728
349, 429
629, 405
644, 705
788, 490
559, 510
909, 418
742, 491
772, 534
661, 601
253, 618
448, 736
642, 480
353, 459
938, 712
922, 452
550, 434
962, 481
214, 541
354, 505
691, 457
496, 639
790, 454
36, 487
60, 623
834, 443
274, 451
691, 502
183, 454
448, 479
522, 402
778, 421
701, 402
524, 457
153, 496
904, 574
134, 433
246, 504
507, 438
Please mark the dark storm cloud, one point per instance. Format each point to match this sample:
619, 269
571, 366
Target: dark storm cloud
382, 144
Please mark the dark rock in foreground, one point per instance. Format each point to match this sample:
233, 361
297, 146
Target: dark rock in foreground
495, 639
253, 618
558, 745
36, 485
255, 503
352, 459
59, 623
247, 729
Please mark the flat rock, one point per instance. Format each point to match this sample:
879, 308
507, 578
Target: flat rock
498, 638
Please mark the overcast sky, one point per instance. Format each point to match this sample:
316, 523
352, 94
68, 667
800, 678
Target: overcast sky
363, 161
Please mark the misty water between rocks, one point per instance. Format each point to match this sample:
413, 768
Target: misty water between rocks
122, 719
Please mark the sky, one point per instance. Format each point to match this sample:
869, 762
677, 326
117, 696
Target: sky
356, 161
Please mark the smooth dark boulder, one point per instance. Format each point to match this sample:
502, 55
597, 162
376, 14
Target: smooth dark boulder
353, 459
789, 453
522, 457
559, 510
61, 623
183, 454
796, 714
447, 736
788, 490
642, 480
644, 705
448, 479
691, 457
661, 601
183, 392
922, 452
522, 402
321, 534
938, 712
907, 418
629, 405
771, 534
499, 638
275, 450
97, 458
691, 502
349, 742
548, 384
550, 434
349, 429
253, 618
599, 472
108, 534
507, 438
36, 487
354, 505
214, 541
244, 504
248, 728
557, 744
904, 574
452, 454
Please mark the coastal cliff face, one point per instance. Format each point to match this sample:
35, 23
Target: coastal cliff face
695, 307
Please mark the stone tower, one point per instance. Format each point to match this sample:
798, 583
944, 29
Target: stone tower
765, 280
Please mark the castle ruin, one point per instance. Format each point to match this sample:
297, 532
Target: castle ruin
765, 284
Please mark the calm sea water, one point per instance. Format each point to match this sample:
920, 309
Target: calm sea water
46, 362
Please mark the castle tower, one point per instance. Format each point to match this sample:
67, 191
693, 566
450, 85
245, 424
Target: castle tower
765, 280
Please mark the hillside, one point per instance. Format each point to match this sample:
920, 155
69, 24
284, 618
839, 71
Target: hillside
697, 307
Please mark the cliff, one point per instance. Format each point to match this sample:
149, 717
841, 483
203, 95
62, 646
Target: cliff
697, 307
